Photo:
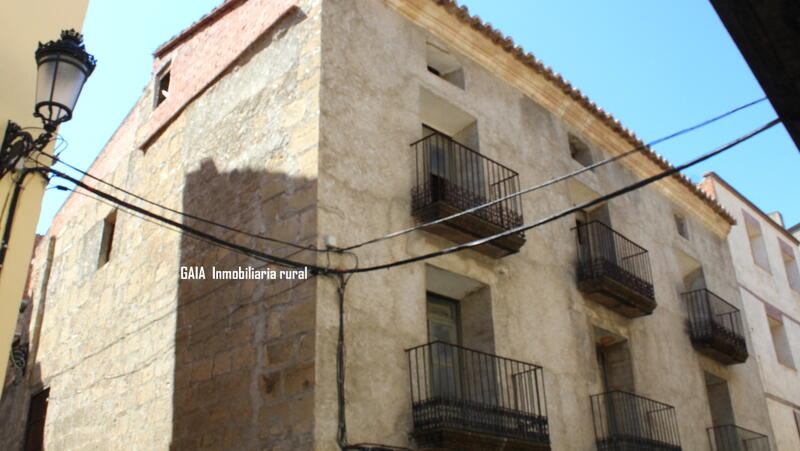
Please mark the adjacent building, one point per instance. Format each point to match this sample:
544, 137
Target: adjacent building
42, 22
320, 125
765, 256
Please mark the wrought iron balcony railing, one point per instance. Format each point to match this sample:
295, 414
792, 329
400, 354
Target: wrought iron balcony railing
461, 397
451, 178
626, 422
734, 438
614, 270
715, 327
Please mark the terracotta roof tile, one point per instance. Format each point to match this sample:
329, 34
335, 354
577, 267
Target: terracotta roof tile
507, 44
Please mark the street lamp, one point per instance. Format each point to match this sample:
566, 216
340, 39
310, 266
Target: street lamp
63, 67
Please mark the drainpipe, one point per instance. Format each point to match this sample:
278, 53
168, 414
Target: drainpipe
12, 210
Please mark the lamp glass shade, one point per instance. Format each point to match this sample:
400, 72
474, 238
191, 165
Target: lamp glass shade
63, 67
59, 83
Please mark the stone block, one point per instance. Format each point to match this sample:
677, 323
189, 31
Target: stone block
243, 356
303, 198
299, 378
299, 317
280, 353
271, 386
201, 370
222, 363
306, 347
274, 319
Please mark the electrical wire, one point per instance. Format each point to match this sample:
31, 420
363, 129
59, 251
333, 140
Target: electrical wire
187, 215
557, 179
568, 211
251, 252
167, 227
58, 136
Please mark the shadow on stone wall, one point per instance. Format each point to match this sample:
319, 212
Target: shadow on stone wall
244, 349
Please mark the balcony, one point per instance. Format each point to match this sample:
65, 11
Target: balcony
451, 178
734, 438
614, 271
627, 422
715, 327
463, 398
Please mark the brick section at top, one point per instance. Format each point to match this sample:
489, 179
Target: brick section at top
201, 53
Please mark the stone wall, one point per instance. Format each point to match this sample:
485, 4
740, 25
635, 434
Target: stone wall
137, 358
374, 88
766, 293
307, 135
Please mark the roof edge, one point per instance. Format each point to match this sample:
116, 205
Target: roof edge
713, 175
528, 59
214, 15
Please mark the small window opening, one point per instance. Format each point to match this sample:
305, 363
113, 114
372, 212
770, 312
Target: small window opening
680, 224
757, 245
579, 151
162, 86
109, 224
443, 64
790, 264
781, 342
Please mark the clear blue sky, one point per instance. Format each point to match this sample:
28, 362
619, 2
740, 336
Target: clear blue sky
657, 66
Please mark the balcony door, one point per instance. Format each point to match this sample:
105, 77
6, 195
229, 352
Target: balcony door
456, 172
597, 241
439, 150
616, 373
443, 326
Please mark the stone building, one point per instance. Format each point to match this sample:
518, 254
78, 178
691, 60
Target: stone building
765, 256
327, 123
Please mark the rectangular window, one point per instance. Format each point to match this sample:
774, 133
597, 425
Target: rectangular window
781, 342
579, 151
161, 86
757, 245
109, 224
790, 264
444, 65
443, 322
680, 224
34, 433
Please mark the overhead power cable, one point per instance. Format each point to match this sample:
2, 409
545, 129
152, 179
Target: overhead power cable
165, 226
181, 213
555, 180
566, 212
248, 251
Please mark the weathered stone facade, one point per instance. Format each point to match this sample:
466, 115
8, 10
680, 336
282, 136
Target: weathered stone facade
136, 358
304, 138
771, 300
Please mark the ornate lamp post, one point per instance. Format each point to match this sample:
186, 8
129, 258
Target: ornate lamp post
63, 68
